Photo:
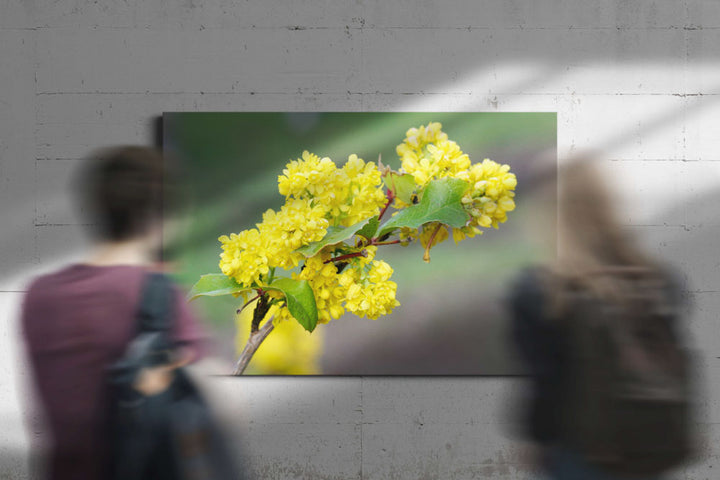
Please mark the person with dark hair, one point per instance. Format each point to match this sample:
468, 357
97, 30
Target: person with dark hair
77, 321
121, 189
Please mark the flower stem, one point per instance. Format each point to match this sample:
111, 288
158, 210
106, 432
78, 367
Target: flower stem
247, 303
392, 242
426, 257
341, 258
390, 198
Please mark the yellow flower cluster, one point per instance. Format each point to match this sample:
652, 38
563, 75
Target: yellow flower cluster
296, 224
364, 287
249, 255
373, 295
323, 279
427, 154
491, 194
349, 194
317, 195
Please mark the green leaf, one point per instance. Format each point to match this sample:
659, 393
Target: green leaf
300, 300
370, 228
215, 284
402, 186
333, 236
441, 202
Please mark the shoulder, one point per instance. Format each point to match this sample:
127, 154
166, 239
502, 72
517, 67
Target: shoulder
85, 281
44, 285
38, 282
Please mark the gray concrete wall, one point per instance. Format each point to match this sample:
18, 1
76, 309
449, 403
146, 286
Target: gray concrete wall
638, 81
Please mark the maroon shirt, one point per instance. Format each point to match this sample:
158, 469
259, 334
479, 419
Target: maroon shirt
76, 322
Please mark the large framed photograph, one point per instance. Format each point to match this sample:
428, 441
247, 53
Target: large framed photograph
447, 316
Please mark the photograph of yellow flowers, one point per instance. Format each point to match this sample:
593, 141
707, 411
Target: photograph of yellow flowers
361, 243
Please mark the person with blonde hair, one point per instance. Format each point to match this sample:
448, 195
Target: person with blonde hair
598, 329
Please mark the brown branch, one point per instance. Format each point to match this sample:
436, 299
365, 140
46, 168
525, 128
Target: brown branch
253, 343
341, 258
261, 310
392, 242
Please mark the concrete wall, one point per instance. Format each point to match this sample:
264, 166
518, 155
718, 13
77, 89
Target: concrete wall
637, 80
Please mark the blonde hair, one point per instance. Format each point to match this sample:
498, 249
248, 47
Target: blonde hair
594, 252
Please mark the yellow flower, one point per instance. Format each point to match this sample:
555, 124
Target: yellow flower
368, 291
244, 257
372, 300
365, 195
491, 194
460, 234
323, 279
449, 158
306, 176
427, 154
380, 271
298, 223
363, 287
349, 194
249, 255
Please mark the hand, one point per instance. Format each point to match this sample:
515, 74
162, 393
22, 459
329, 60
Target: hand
154, 380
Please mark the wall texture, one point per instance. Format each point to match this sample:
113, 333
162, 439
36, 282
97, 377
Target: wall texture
638, 81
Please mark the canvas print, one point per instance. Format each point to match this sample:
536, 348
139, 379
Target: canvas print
344, 243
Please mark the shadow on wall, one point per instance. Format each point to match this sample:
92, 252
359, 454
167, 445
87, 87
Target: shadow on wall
527, 36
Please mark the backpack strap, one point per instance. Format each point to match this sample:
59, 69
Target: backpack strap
154, 315
155, 309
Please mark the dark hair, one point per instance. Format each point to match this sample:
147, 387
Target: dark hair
122, 190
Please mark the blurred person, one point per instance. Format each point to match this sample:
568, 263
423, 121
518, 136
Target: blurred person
77, 321
599, 329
